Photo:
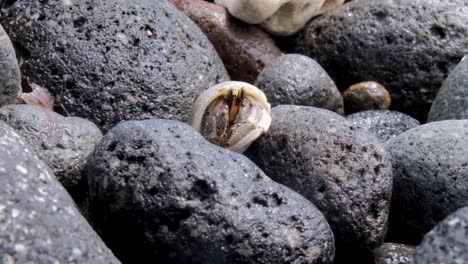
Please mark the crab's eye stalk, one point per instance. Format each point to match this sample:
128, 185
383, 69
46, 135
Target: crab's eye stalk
231, 115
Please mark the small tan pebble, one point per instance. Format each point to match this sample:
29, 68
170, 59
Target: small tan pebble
366, 96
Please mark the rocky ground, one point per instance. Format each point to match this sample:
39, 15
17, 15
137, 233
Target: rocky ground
365, 159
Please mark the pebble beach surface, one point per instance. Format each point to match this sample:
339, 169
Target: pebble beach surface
111, 151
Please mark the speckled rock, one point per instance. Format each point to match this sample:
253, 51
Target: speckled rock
452, 100
447, 243
407, 46
299, 80
39, 222
244, 49
430, 177
384, 124
10, 80
113, 60
366, 96
391, 253
342, 170
163, 194
64, 143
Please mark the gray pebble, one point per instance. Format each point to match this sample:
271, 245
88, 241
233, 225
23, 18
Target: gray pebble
113, 60
299, 80
392, 253
342, 170
161, 193
383, 124
39, 222
10, 80
447, 243
430, 177
452, 100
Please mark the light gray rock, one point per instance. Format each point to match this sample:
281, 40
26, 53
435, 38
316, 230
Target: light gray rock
383, 124
10, 80
430, 177
161, 193
39, 222
452, 100
114, 60
299, 80
392, 253
447, 243
342, 170
408, 46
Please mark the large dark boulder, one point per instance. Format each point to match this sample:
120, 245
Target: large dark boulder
344, 171
39, 222
408, 46
113, 60
161, 193
430, 177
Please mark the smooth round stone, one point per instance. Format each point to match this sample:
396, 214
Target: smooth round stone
10, 80
161, 193
342, 170
392, 253
39, 222
114, 60
64, 143
430, 177
407, 46
299, 80
446, 243
383, 124
452, 100
366, 96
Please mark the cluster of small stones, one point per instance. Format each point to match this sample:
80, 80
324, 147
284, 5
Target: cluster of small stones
365, 159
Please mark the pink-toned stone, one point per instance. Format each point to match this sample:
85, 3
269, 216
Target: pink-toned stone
245, 49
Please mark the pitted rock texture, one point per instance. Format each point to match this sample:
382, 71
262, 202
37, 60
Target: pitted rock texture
391, 253
245, 49
113, 60
383, 124
430, 177
452, 100
10, 81
447, 243
162, 193
342, 170
64, 143
299, 80
39, 222
407, 46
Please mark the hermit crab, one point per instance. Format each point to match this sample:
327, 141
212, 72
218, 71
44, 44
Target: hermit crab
231, 114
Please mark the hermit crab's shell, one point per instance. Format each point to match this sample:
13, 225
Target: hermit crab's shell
210, 115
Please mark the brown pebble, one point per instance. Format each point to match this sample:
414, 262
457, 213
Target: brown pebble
366, 96
245, 49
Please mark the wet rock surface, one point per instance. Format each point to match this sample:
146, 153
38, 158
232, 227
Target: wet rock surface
244, 49
452, 100
383, 124
114, 60
366, 96
447, 242
10, 82
297, 79
407, 46
64, 143
162, 193
342, 170
391, 253
39, 222
430, 172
